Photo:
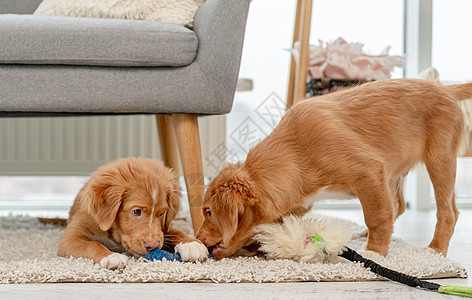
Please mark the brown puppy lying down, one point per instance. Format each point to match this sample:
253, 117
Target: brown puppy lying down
360, 142
127, 206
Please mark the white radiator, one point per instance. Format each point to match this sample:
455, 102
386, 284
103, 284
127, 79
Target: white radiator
79, 145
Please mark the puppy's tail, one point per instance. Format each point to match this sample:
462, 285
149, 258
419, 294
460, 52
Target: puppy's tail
461, 91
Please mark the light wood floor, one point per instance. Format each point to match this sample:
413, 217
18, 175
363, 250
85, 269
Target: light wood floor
414, 227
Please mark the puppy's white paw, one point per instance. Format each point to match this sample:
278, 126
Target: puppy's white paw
114, 261
370, 255
429, 250
192, 251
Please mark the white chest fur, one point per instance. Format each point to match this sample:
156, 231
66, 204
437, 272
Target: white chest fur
328, 193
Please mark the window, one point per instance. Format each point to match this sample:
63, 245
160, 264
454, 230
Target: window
46, 196
451, 57
451, 45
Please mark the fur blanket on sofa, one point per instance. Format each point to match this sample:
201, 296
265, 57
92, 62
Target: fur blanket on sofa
181, 12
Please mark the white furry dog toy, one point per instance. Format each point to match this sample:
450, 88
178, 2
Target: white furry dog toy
319, 240
305, 240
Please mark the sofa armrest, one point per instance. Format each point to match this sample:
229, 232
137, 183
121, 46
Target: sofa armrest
220, 26
18, 6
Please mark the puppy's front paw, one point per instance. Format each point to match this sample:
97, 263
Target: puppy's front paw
428, 250
192, 251
370, 255
114, 261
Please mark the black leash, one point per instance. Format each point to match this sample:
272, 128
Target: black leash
412, 281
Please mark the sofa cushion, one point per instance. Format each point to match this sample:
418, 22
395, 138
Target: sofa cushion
27, 39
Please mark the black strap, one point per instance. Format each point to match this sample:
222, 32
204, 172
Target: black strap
352, 255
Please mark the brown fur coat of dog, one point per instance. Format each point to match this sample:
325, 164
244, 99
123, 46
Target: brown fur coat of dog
127, 206
361, 142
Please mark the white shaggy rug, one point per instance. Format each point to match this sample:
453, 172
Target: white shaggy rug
28, 255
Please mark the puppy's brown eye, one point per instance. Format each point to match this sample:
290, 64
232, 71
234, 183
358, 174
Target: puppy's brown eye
207, 212
137, 212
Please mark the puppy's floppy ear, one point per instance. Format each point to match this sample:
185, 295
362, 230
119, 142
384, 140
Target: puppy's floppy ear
241, 183
230, 200
227, 205
104, 200
173, 201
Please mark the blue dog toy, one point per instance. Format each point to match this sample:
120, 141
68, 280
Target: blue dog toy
158, 254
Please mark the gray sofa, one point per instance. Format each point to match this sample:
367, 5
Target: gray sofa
61, 66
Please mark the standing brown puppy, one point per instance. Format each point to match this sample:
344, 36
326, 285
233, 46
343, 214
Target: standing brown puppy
127, 206
360, 142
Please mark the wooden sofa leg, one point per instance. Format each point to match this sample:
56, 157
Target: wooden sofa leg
188, 140
168, 142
